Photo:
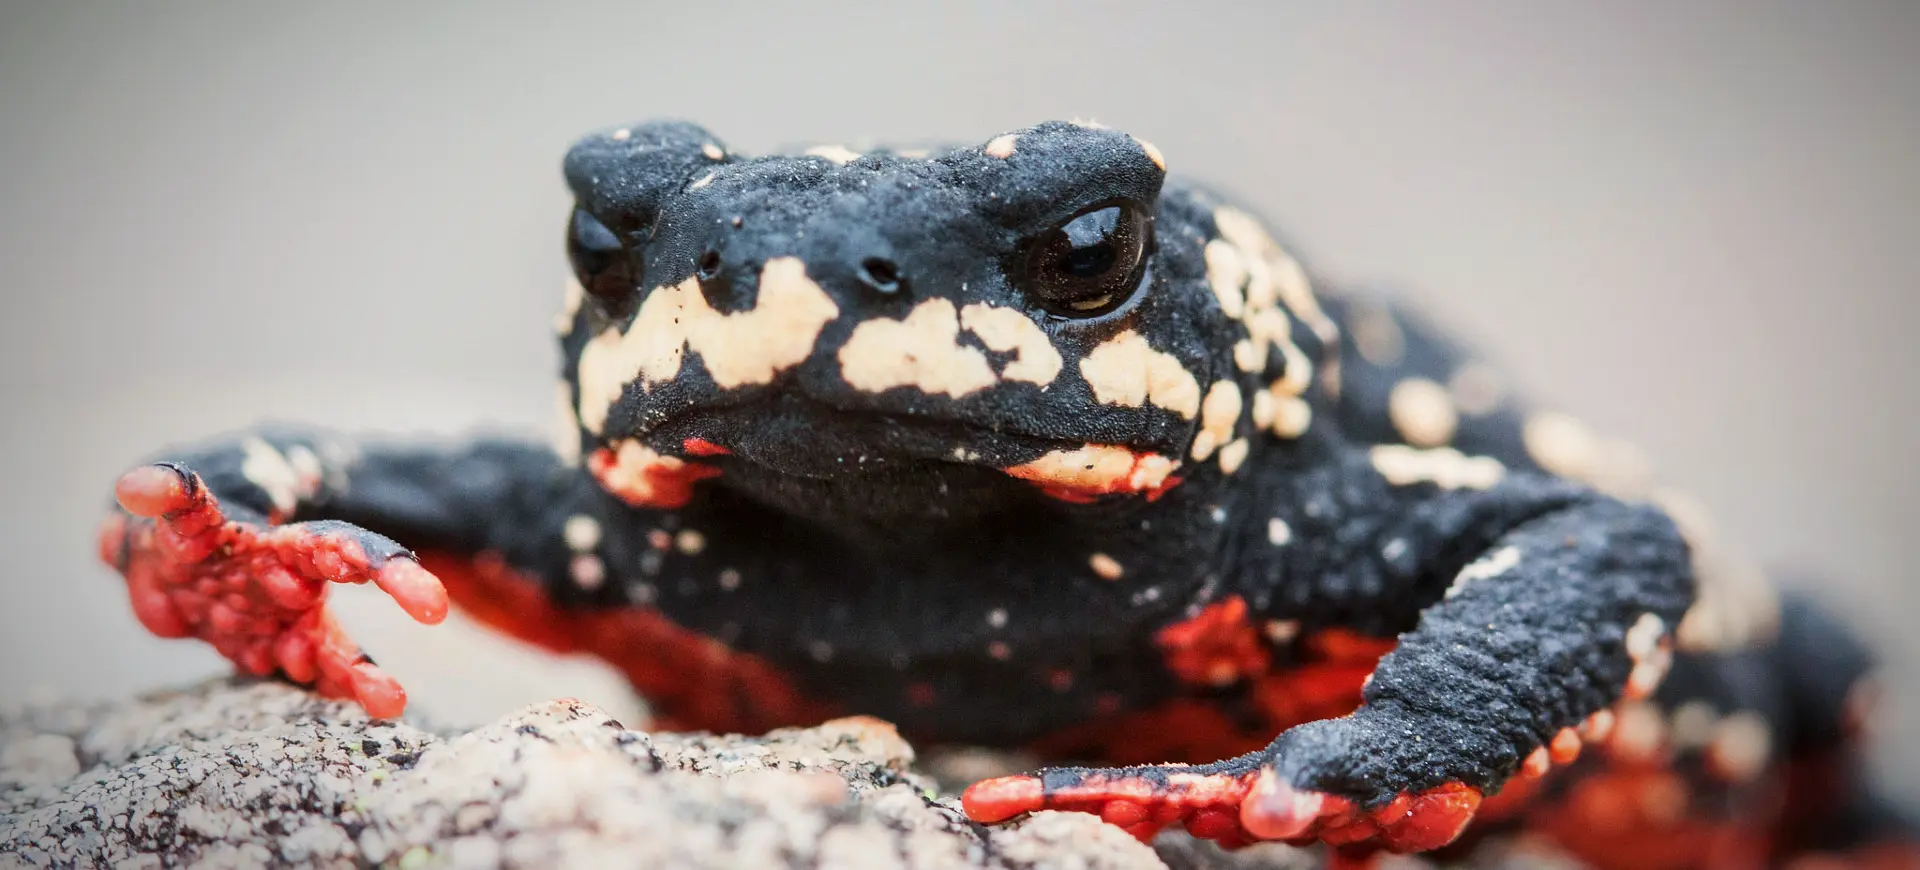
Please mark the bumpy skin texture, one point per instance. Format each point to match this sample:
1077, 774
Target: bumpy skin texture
837, 441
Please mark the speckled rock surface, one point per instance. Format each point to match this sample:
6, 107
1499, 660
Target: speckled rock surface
246, 774
235, 773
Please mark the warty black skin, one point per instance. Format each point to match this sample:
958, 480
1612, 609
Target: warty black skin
865, 557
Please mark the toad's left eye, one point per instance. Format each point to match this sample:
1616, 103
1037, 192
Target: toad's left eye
599, 261
1090, 263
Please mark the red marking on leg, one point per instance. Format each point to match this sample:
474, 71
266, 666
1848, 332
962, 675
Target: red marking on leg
642, 478
1637, 816
703, 447
1418, 822
1218, 647
1206, 804
693, 681
1325, 684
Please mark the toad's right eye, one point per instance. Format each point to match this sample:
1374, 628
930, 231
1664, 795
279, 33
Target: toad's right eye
602, 265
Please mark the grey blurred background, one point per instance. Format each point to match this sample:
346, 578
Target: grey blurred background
1694, 223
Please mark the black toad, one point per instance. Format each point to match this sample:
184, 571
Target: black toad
1025, 444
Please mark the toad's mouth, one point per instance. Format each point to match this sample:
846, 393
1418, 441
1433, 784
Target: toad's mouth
800, 437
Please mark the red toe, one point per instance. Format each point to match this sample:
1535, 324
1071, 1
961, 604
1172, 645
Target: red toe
379, 693
151, 491
1275, 810
997, 800
1415, 822
415, 589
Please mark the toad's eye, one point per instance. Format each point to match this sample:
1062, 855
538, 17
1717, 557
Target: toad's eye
599, 260
1091, 263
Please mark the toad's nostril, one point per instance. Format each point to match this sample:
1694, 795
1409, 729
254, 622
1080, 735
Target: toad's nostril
717, 283
882, 275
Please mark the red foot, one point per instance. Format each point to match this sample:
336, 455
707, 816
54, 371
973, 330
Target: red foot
1235, 809
1141, 803
1414, 822
258, 594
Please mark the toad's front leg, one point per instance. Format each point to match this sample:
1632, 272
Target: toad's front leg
238, 542
1533, 605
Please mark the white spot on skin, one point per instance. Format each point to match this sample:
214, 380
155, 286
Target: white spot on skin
338, 456
1263, 409
997, 617
566, 437
1561, 444
1422, 412
747, 347
1126, 371
1652, 655
1597, 728
1442, 466
1643, 638
1299, 370
622, 135
1289, 280
1219, 411
1693, 724
266, 468
922, 351
582, 533
1639, 731
1486, 567
1741, 746
571, 298
1248, 356
1476, 389
1292, 417
587, 571
1278, 532
702, 181
712, 151
1377, 336
306, 465
690, 542
1227, 275
1105, 566
840, 154
1001, 146
1234, 455
1009, 331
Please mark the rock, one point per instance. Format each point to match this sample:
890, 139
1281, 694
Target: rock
241, 773
237, 773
